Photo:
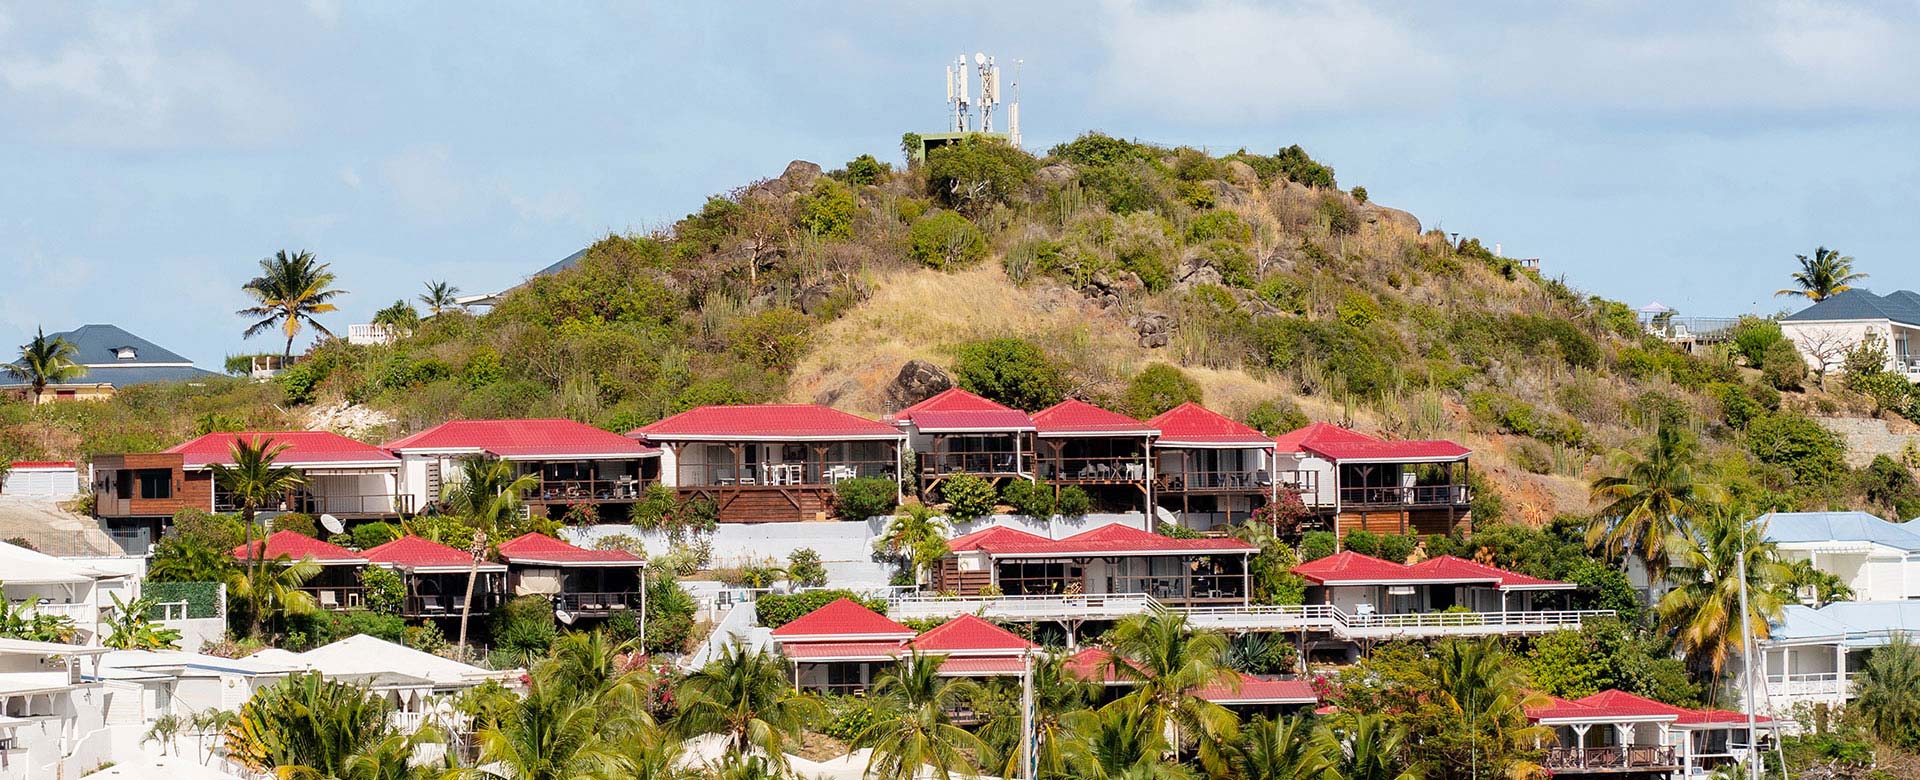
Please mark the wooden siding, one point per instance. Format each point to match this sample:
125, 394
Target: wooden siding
767, 503
1424, 522
190, 491
948, 577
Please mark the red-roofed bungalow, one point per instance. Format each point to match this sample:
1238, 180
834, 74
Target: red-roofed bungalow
840, 647
1370, 591
575, 463
1363, 481
337, 586
958, 432
771, 462
137, 493
583, 582
1113, 559
1208, 465
1618, 734
1246, 694
1103, 451
436, 577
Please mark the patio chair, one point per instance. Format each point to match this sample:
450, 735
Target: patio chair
329, 599
459, 602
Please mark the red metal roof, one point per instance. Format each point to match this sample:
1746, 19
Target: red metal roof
522, 439
1254, 690
1111, 539
1094, 665
1194, 425
296, 545
540, 548
303, 448
42, 464
1340, 444
764, 421
955, 410
841, 618
413, 552
1352, 568
1613, 703
842, 651
1074, 417
983, 666
969, 634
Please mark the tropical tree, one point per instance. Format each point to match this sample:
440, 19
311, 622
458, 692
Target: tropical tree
1168, 662
746, 697
913, 735
44, 361
1473, 721
1058, 693
1649, 498
1120, 742
1822, 587
255, 480
1826, 273
594, 664
400, 757
917, 536
1887, 692
129, 628
400, 318
552, 733
306, 725
289, 292
1367, 747
25, 621
163, 731
486, 493
440, 297
1281, 749
1702, 612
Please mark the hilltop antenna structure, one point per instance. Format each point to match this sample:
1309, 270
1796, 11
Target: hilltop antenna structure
960, 99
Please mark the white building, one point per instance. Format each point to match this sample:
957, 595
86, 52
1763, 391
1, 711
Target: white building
1825, 331
52, 710
49, 480
72, 589
1876, 559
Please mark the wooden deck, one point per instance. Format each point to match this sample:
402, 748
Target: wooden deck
767, 503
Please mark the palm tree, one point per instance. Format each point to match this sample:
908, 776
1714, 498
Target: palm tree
593, 665
441, 297
1649, 498
1120, 742
550, 734
400, 318
1887, 692
1367, 747
399, 757
306, 724
487, 493
1821, 587
1476, 684
289, 291
1282, 749
914, 733
1702, 612
1826, 273
746, 697
917, 536
274, 589
1058, 693
44, 361
131, 630
1168, 662
255, 480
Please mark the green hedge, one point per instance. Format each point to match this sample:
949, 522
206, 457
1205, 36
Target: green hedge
203, 598
775, 610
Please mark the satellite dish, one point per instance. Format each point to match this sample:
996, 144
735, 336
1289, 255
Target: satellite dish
332, 524
979, 58
565, 617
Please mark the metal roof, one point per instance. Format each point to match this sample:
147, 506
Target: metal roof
1900, 306
1830, 527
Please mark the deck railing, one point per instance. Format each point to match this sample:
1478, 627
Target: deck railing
1416, 496
783, 474
1225, 481
336, 597
598, 602
992, 463
1097, 470
330, 504
565, 490
1648, 757
1325, 617
1818, 684
439, 605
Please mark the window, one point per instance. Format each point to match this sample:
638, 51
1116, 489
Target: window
156, 483
66, 394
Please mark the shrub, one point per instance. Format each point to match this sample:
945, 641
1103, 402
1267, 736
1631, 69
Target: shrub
367, 536
773, 338
864, 497
1783, 367
1218, 225
1073, 502
1363, 541
968, 497
1753, 336
297, 522
1158, 388
1339, 218
865, 169
1315, 545
1357, 309
524, 626
1098, 149
1274, 417
804, 568
1890, 392
1032, 499
774, 610
946, 241
977, 173
1124, 188
1397, 547
1533, 457
1010, 371
1737, 406
1796, 442
386, 593
1360, 194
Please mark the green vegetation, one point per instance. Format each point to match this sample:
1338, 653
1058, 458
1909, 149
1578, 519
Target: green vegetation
968, 497
1158, 388
291, 290
1011, 371
864, 497
1825, 273
42, 362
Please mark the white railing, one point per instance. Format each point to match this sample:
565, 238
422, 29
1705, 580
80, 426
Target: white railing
79, 612
409, 722
370, 334
1324, 617
1819, 685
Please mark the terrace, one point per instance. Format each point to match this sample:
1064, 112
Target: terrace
336, 587
957, 432
581, 582
1112, 560
771, 462
573, 463
436, 577
1383, 486
1613, 732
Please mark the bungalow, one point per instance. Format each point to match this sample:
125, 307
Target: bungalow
57, 586
336, 587
112, 359
1210, 466
1876, 559
581, 582
957, 432
419, 687
842, 647
1827, 330
52, 710
1617, 734
1361, 481
1812, 655
972, 647
763, 463
135, 494
1104, 452
1112, 560
437, 575
43, 479
1363, 598
575, 463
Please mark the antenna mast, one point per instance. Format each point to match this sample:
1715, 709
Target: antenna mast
1013, 111
960, 101
957, 98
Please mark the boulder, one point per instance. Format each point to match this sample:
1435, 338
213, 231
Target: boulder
798, 177
1155, 329
917, 381
1241, 173
1055, 174
1395, 218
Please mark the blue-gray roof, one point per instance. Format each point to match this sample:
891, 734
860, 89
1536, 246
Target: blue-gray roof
1861, 304
563, 263
1807, 527
98, 347
1858, 623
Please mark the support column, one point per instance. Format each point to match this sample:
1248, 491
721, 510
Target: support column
1623, 735
1580, 741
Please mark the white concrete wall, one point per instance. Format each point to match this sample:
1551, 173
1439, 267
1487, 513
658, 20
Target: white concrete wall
1834, 338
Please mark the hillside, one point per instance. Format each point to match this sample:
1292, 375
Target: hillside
1276, 294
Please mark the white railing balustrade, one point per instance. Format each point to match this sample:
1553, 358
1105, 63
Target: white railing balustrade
1325, 617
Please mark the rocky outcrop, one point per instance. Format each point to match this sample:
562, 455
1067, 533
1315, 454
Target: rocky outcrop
1155, 329
1112, 289
350, 420
798, 177
1055, 174
917, 381
1394, 218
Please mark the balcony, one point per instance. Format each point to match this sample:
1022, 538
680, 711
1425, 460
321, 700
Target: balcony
1006, 463
1109, 470
1290, 617
1820, 686
585, 491
1406, 497
585, 603
1099, 607
78, 613
448, 605
1235, 482
1631, 758
784, 474
337, 597
367, 505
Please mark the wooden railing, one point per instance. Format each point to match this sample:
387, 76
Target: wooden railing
1614, 757
330, 504
560, 491
1417, 496
430, 606
998, 463
783, 474
1228, 481
597, 602
336, 597
1111, 469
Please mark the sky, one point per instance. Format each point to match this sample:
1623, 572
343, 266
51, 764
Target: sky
151, 154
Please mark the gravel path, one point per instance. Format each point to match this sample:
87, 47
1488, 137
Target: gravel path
52, 530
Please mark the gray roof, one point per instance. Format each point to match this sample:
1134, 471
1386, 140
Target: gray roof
1901, 306
1858, 623
564, 263
1807, 527
98, 348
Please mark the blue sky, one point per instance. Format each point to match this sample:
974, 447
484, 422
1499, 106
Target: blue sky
152, 154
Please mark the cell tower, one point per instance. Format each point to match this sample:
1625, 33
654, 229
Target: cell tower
960, 103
